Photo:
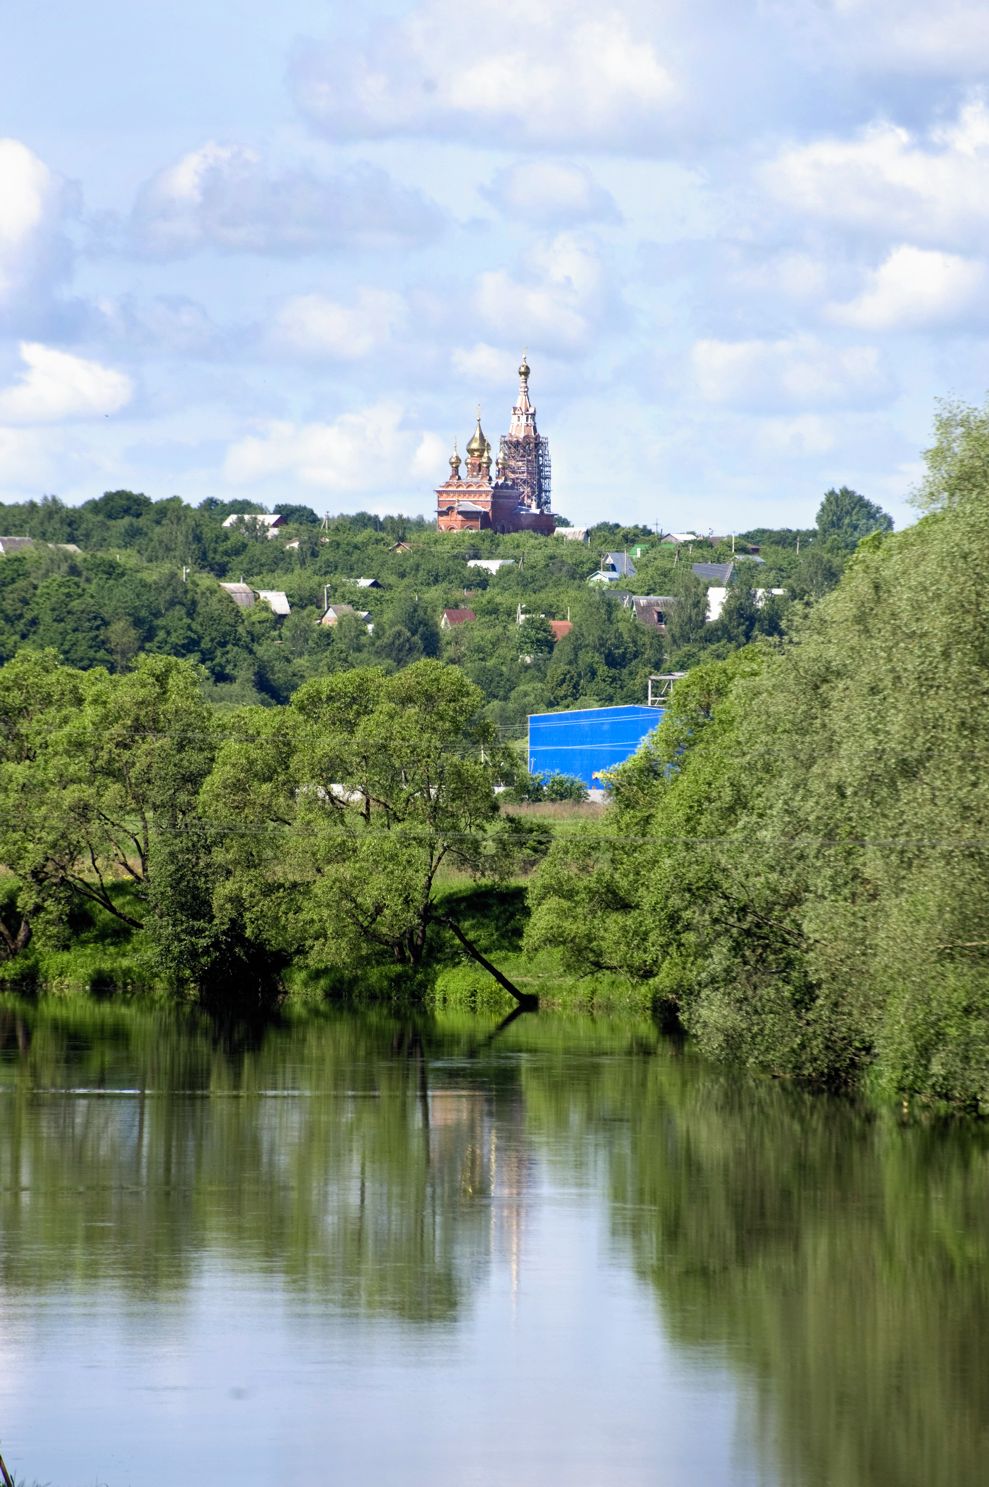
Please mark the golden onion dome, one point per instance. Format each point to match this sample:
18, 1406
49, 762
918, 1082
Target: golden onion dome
478, 443
455, 460
524, 368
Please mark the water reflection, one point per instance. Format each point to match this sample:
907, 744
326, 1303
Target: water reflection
824, 1278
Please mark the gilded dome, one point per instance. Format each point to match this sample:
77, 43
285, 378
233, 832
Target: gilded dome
478, 443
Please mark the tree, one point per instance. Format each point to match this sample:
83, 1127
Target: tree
353, 799
115, 505
297, 515
687, 618
100, 779
844, 518
958, 461
739, 618
37, 697
535, 638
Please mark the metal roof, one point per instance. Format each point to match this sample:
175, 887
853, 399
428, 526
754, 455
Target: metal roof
621, 562
277, 599
240, 593
717, 573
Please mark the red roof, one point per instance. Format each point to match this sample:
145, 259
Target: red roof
560, 628
458, 616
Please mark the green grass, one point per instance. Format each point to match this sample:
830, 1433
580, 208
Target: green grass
103, 956
494, 918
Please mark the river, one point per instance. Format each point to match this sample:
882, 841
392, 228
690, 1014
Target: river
365, 1248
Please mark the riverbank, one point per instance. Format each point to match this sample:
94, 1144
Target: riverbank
108, 960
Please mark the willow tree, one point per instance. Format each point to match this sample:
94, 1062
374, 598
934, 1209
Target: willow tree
99, 783
37, 698
341, 813
803, 867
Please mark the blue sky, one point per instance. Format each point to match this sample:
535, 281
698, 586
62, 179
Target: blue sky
280, 251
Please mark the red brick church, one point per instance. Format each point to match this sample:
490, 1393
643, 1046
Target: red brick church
518, 498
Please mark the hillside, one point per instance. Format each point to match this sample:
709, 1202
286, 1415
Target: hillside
121, 576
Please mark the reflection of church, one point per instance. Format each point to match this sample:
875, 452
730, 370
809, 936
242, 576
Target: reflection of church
518, 498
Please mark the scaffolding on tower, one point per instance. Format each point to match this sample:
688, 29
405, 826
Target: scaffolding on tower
527, 465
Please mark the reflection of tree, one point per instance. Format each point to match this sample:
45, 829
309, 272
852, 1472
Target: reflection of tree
367, 1185
842, 1265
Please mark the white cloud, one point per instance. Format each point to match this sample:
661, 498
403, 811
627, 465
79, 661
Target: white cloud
312, 325
429, 462
801, 372
888, 181
557, 298
56, 385
223, 196
907, 36
551, 193
24, 458
564, 72
169, 325
33, 203
359, 451
791, 274
482, 364
916, 289
799, 436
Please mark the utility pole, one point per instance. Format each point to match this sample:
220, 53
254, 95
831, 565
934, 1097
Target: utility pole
326, 597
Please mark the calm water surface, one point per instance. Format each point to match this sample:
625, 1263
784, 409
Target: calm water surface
368, 1250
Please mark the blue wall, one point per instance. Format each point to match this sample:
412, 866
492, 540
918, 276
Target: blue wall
584, 742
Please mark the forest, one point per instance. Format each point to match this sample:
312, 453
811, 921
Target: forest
122, 576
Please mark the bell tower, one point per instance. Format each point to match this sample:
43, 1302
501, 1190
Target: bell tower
525, 451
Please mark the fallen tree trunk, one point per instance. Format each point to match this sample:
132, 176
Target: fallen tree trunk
524, 998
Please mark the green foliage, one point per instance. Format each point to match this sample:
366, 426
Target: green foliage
564, 787
797, 861
844, 518
351, 801
147, 581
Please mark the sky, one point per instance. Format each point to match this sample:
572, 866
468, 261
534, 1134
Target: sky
281, 251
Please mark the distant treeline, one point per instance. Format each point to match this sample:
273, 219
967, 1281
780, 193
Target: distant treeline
146, 581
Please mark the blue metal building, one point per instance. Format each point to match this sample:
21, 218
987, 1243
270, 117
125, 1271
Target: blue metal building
588, 740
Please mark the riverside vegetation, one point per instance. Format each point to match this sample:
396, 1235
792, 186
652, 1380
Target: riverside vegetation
793, 868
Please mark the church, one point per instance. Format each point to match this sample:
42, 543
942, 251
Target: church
518, 498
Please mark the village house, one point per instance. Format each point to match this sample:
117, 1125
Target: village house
614, 565
334, 613
240, 593
452, 617
277, 601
